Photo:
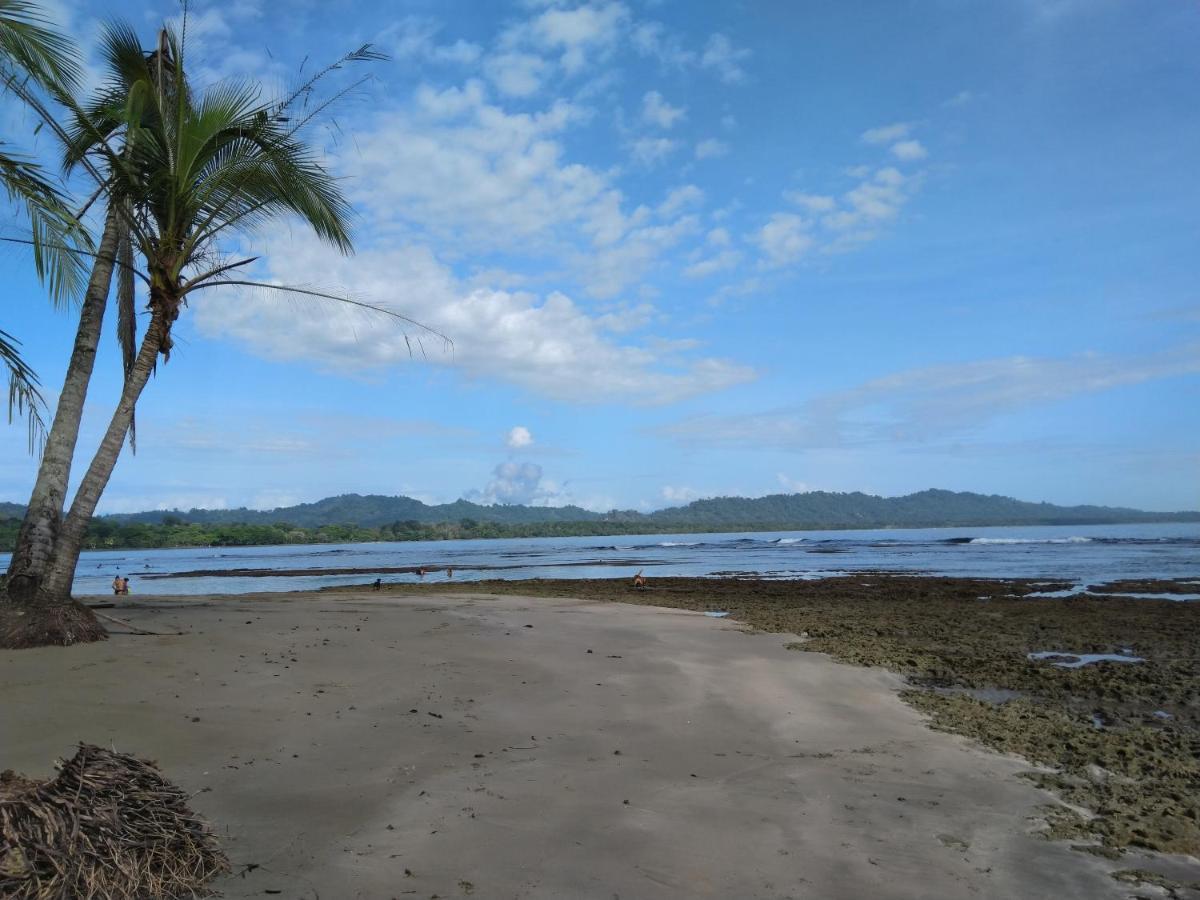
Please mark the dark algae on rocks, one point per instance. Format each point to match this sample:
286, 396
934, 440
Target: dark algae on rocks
1118, 738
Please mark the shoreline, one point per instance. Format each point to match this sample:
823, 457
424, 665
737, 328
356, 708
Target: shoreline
1120, 735
724, 528
484, 739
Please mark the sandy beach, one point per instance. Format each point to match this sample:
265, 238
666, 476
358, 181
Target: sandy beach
358, 745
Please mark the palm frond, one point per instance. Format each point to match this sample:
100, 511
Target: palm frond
29, 43
24, 398
54, 232
345, 299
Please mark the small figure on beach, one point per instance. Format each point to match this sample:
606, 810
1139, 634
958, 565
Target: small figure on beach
378, 585
449, 572
125, 585
421, 572
117, 584
639, 580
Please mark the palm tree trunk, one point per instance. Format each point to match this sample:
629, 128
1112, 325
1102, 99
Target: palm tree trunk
43, 517
61, 575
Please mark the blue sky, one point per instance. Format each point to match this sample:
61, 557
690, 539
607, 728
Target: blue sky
694, 249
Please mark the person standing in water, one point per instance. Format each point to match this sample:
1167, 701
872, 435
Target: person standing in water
117, 585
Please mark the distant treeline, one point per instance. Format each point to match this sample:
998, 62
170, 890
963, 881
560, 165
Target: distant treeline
110, 534
355, 517
105, 534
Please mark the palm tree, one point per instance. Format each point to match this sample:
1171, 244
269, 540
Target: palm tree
126, 66
190, 170
34, 55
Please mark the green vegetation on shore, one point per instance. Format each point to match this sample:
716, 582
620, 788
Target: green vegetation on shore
358, 518
107, 534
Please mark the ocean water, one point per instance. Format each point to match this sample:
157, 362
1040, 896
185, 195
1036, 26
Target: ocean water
1079, 554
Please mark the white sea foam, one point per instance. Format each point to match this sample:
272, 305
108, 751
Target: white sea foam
1076, 660
1066, 540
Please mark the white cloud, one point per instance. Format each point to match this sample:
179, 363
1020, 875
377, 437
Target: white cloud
813, 203
625, 318
935, 402
455, 166
516, 483
719, 237
726, 259
516, 74
962, 98
834, 224
876, 199
909, 151
651, 39
724, 58
719, 56
547, 345
791, 485
784, 239
657, 111
518, 437
414, 38
651, 151
679, 199
609, 270
678, 496
711, 147
886, 134
185, 500
590, 29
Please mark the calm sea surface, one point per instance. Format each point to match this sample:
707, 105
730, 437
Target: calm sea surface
1080, 554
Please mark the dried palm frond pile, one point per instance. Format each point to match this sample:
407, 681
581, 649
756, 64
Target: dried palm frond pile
107, 826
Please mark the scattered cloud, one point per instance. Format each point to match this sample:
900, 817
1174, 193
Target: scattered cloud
578, 35
453, 164
518, 438
710, 148
516, 74
724, 58
517, 483
720, 262
651, 39
813, 203
658, 112
414, 38
791, 485
886, 134
679, 496
932, 403
720, 56
544, 344
831, 224
651, 151
909, 151
784, 239
679, 199
609, 270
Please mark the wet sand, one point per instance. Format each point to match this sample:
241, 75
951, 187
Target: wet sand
449, 744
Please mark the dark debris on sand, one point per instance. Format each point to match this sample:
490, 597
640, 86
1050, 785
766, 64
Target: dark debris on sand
107, 826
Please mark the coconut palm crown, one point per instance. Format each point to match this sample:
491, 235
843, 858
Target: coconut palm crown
195, 168
183, 172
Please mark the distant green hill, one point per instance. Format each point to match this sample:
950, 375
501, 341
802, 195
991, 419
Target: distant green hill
817, 509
